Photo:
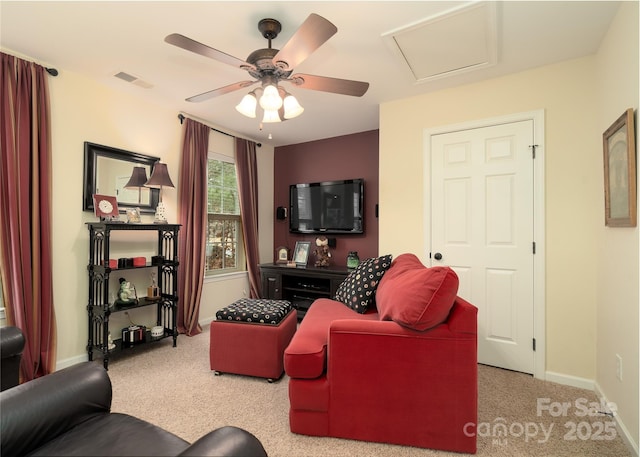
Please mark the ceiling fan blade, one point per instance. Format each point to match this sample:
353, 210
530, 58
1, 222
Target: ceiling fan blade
188, 44
312, 34
220, 91
326, 84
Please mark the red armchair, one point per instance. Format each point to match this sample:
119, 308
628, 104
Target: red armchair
355, 376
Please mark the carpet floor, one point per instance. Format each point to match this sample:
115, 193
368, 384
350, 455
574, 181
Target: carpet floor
517, 414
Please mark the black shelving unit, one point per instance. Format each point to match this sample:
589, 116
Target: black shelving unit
98, 307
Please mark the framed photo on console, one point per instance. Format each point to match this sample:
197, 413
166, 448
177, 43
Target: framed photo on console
301, 253
620, 172
133, 215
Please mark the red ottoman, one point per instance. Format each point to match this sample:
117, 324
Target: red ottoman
249, 337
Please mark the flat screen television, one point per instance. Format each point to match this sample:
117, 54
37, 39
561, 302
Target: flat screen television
327, 207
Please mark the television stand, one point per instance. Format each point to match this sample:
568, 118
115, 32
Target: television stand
300, 285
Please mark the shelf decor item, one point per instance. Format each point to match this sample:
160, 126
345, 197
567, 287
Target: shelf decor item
157, 331
322, 252
106, 207
111, 263
282, 254
353, 260
160, 178
110, 344
139, 261
134, 334
133, 215
620, 172
127, 295
301, 253
152, 290
125, 262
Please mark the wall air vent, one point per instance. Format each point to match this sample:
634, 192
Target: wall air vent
133, 79
456, 41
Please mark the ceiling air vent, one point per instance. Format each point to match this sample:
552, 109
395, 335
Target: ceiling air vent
133, 80
456, 41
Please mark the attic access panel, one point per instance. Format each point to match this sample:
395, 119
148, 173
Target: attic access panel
456, 41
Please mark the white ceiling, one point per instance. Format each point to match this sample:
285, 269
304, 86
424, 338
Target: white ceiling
100, 39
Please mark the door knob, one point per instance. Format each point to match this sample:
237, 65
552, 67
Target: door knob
437, 256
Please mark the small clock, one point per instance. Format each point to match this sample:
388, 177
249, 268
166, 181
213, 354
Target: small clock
282, 255
105, 206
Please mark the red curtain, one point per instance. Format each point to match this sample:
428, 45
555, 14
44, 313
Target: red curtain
192, 203
248, 183
25, 211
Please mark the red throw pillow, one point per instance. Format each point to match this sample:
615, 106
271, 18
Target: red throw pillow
415, 296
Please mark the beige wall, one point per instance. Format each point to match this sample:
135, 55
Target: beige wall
570, 211
617, 254
583, 283
82, 110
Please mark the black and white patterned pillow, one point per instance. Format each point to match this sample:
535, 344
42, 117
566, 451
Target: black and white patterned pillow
358, 289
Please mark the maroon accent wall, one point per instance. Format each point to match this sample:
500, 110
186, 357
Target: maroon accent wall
344, 157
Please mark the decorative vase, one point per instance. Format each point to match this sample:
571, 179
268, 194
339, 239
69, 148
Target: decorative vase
352, 259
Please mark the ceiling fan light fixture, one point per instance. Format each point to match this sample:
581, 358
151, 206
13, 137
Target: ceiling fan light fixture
269, 66
271, 116
271, 99
247, 105
291, 107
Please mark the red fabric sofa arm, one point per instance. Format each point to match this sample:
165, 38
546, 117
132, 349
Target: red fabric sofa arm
463, 317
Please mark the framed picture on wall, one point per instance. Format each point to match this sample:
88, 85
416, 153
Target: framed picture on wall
301, 253
620, 172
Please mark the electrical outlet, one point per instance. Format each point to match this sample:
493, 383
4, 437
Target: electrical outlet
618, 367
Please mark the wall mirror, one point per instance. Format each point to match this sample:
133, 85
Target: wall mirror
107, 170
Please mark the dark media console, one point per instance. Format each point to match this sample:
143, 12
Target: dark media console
300, 285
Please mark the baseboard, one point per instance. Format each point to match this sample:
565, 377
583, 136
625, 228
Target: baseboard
60, 364
590, 384
622, 429
568, 380
206, 321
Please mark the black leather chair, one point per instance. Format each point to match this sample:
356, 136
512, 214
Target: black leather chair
11, 346
67, 413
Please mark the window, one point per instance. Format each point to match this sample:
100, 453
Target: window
224, 243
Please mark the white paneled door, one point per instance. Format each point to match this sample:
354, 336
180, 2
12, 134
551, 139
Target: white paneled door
482, 226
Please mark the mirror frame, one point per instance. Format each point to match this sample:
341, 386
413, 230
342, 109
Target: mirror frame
91, 153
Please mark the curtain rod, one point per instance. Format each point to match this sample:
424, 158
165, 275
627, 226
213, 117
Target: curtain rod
182, 118
51, 71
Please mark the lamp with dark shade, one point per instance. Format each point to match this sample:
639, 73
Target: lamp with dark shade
160, 178
138, 179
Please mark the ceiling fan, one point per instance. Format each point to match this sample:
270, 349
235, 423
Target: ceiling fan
271, 66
